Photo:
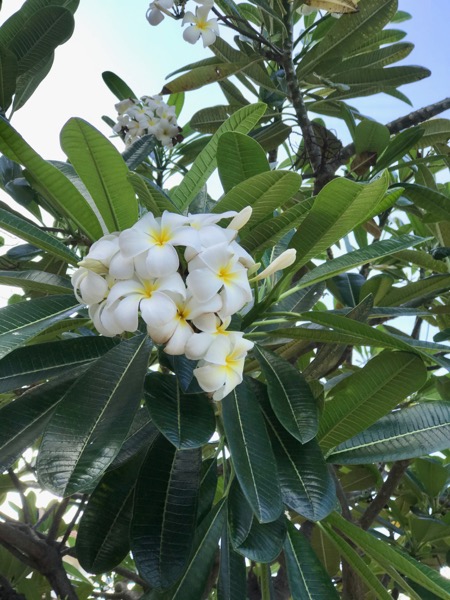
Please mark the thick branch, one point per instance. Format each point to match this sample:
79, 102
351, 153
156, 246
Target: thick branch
413, 118
387, 489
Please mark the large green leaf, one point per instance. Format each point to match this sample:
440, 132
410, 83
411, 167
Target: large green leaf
339, 207
22, 321
8, 75
306, 575
187, 420
435, 131
241, 121
91, 422
416, 292
290, 396
306, 484
264, 193
260, 542
251, 453
232, 580
103, 171
30, 80
208, 120
358, 564
437, 205
239, 157
204, 547
23, 420
29, 364
103, 537
348, 33
164, 512
374, 58
38, 281
382, 552
52, 184
152, 197
398, 147
408, 433
117, 86
370, 393
358, 257
141, 434
24, 229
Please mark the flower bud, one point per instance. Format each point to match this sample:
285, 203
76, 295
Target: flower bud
286, 259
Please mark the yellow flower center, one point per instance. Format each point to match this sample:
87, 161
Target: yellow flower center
148, 288
161, 237
226, 274
201, 24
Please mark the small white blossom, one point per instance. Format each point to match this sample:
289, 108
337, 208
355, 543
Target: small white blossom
156, 11
201, 26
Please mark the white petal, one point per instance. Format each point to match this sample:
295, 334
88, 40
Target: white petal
174, 283
219, 350
126, 313
198, 344
196, 308
124, 288
172, 220
210, 378
233, 299
203, 284
191, 34
218, 256
155, 16
121, 267
232, 380
162, 260
177, 342
209, 37
158, 310
133, 242
163, 333
186, 236
189, 17
207, 322
93, 288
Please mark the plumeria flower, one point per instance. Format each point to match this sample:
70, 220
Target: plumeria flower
156, 11
201, 26
124, 105
103, 318
89, 287
221, 370
152, 297
218, 269
157, 238
210, 326
165, 132
178, 331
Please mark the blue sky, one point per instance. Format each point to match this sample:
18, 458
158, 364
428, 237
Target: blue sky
113, 35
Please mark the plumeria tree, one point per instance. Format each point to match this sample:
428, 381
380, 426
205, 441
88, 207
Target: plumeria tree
208, 377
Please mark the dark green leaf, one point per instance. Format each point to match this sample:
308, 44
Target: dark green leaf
38, 281
232, 582
139, 150
30, 80
151, 196
187, 420
92, 421
164, 512
239, 157
251, 453
117, 86
8, 74
290, 396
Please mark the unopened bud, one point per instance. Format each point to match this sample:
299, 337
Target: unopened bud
286, 259
241, 218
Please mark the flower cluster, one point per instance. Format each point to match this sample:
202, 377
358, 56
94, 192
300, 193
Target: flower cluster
150, 114
200, 25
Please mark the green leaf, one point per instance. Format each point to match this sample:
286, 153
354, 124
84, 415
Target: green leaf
103, 537
408, 433
307, 578
208, 488
22, 421
358, 257
8, 75
435, 131
164, 512
436, 205
374, 58
23, 321
306, 484
40, 34
251, 453
239, 157
268, 233
338, 208
358, 564
208, 120
29, 364
371, 136
346, 34
38, 281
186, 420
367, 395
28, 82
241, 121
398, 147
202, 76
382, 553
91, 422
117, 86
151, 196
290, 396
139, 150
204, 547
264, 193
24, 229
52, 184
417, 291
260, 542
141, 434
103, 171
232, 580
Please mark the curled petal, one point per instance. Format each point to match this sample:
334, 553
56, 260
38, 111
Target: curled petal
210, 378
209, 36
191, 34
177, 343
163, 333
121, 267
93, 288
232, 380
162, 260
158, 310
198, 344
203, 284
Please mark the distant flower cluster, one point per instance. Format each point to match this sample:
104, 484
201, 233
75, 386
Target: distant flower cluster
186, 277
150, 114
200, 26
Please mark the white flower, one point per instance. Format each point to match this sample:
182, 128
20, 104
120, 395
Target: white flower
152, 297
208, 29
221, 370
165, 132
218, 269
286, 259
124, 105
156, 9
157, 238
103, 318
89, 287
210, 327
178, 331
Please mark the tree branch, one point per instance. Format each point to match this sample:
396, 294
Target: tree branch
387, 489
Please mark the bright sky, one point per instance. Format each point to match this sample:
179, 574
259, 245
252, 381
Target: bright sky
109, 36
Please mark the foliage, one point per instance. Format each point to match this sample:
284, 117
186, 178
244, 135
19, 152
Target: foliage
324, 473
